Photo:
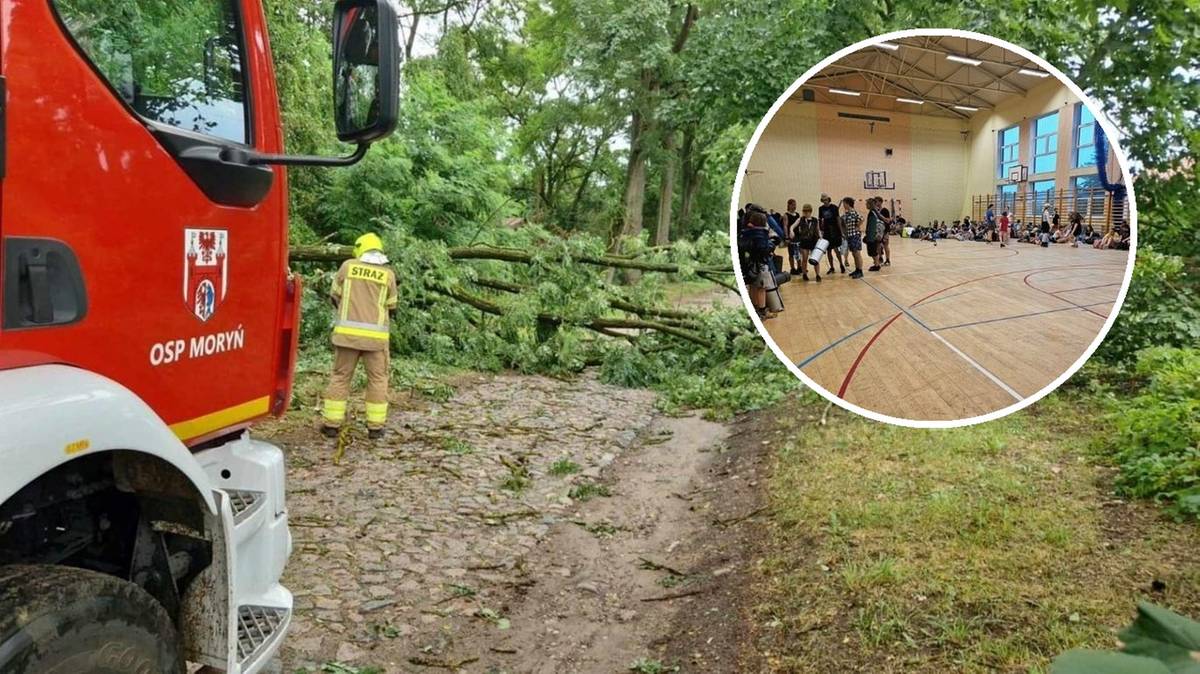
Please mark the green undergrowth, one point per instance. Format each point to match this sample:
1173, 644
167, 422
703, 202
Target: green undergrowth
1142, 387
1153, 434
982, 549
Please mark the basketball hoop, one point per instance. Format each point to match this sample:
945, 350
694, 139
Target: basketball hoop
1018, 174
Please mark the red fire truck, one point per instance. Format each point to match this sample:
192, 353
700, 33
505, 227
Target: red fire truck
147, 319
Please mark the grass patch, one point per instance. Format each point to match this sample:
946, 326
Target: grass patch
564, 467
983, 549
456, 446
589, 490
515, 483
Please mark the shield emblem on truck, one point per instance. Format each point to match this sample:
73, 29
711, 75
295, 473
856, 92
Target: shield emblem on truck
205, 271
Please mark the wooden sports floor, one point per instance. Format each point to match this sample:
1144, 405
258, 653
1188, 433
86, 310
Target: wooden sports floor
949, 331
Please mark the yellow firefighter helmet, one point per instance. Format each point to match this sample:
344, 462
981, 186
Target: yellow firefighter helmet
368, 241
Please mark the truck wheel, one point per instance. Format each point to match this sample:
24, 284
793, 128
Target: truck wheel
64, 620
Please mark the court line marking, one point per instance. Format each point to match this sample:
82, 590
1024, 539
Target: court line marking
906, 311
948, 297
1071, 290
970, 361
1061, 299
1009, 318
983, 370
829, 346
861, 354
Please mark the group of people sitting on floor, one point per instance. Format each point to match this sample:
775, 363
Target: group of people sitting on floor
1049, 231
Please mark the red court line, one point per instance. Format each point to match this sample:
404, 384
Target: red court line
1061, 299
861, 354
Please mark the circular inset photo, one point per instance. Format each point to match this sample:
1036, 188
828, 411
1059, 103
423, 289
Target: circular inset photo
934, 228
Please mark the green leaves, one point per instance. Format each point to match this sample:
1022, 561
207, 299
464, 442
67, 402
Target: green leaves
1169, 637
1162, 308
1158, 642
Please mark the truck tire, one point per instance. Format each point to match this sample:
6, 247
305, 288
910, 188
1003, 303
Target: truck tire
64, 620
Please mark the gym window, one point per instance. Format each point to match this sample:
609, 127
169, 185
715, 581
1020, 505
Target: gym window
1006, 198
175, 63
1089, 195
1085, 137
1043, 193
1045, 143
1008, 148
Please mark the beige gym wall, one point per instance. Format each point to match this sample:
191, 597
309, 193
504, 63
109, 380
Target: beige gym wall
807, 149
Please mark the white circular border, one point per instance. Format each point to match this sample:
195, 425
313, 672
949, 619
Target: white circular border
1109, 130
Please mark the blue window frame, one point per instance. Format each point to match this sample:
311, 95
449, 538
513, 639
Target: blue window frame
1006, 198
1089, 196
1045, 143
1043, 193
1085, 137
1008, 147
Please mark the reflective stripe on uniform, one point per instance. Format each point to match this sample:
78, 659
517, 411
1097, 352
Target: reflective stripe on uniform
383, 308
359, 332
376, 413
359, 329
345, 298
334, 410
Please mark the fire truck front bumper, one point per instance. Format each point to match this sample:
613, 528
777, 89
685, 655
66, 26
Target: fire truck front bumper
250, 476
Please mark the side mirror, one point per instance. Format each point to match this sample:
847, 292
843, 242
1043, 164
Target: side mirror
366, 69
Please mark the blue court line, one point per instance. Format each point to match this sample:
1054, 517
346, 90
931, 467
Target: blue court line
906, 312
829, 346
1009, 318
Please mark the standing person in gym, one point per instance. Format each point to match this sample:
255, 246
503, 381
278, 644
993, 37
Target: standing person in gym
831, 230
852, 226
888, 223
1004, 229
790, 217
808, 231
872, 236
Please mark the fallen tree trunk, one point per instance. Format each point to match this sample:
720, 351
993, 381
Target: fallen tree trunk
603, 325
328, 252
614, 302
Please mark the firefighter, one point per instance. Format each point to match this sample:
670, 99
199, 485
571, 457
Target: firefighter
364, 291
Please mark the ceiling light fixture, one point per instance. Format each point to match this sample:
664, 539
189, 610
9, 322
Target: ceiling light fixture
1033, 73
844, 91
963, 59
910, 100
966, 107
888, 45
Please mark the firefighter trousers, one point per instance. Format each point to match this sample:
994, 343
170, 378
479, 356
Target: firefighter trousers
344, 361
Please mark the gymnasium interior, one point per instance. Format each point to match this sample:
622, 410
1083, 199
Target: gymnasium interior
941, 127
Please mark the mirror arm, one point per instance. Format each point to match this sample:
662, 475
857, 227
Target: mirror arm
255, 158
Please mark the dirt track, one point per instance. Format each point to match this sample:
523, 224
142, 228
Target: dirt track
458, 544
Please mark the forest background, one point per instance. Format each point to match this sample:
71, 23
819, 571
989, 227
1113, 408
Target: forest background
542, 141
